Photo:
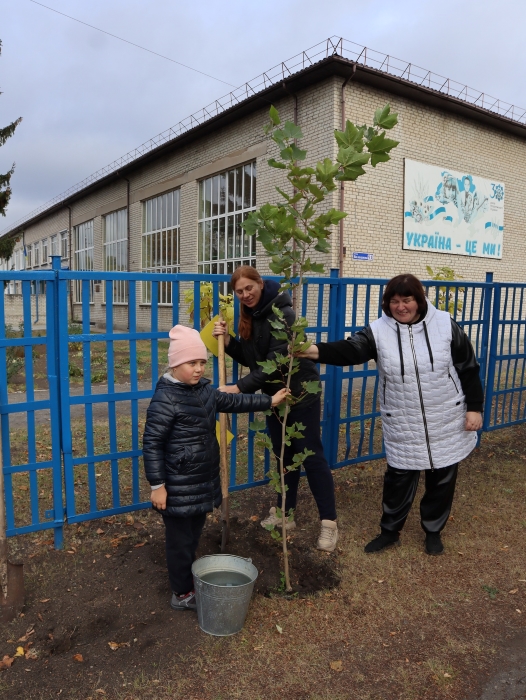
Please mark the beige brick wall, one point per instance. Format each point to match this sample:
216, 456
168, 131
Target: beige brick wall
374, 203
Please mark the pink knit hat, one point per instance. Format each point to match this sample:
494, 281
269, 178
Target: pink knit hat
185, 345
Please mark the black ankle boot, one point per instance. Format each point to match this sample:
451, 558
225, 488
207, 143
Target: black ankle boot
383, 541
434, 544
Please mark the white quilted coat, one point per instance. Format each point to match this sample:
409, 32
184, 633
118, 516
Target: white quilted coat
421, 403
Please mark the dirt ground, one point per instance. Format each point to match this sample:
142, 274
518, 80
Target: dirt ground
400, 625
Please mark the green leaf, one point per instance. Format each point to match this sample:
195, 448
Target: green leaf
311, 387
274, 115
297, 153
379, 146
276, 323
292, 131
351, 157
268, 366
379, 158
384, 119
257, 425
279, 335
352, 136
276, 164
352, 173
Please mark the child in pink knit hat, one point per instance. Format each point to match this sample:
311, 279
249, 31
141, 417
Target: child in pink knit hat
181, 452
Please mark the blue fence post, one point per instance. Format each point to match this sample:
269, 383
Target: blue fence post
492, 358
333, 384
54, 395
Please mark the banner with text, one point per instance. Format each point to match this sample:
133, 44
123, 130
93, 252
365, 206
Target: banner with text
446, 211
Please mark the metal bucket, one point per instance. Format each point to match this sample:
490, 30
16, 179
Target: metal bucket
223, 587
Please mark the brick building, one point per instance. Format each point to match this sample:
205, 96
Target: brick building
175, 204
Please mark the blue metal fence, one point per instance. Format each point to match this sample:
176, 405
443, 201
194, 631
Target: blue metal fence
71, 451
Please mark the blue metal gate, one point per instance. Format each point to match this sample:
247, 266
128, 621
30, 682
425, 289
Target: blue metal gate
71, 451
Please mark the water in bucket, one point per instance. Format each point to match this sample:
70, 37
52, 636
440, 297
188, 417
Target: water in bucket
226, 578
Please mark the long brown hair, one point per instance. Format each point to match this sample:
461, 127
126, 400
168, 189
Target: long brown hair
244, 327
406, 286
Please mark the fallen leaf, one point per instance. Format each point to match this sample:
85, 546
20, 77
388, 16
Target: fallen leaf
44, 600
461, 553
141, 544
40, 617
6, 662
99, 690
31, 654
381, 580
108, 556
519, 611
129, 520
254, 518
99, 531
336, 665
117, 645
280, 629
515, 590
23, 488
19, 651
78, 657
447, 675
29, 632
257, 648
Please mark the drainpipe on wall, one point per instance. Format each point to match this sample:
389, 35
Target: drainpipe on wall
70, 259
342, 184
294, 269
128, 246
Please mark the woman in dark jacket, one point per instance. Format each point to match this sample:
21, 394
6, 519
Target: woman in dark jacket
256, 344
430, 402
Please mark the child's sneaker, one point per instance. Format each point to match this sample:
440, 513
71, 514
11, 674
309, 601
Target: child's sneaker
184, 602
273, 519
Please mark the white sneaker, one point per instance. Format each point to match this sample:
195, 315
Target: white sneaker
273, 520
328, 536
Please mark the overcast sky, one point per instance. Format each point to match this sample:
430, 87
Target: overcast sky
87, 98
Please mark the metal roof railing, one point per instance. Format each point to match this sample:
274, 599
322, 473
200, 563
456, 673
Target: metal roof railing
334, 46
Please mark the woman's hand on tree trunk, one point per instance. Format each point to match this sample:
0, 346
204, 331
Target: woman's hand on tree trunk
221, 328
311, 353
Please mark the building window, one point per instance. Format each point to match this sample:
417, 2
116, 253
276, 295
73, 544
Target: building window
36, 254
29, 250
160, 242
45, 260
116, 252
83, 236
54, 245
64, 245
224, 203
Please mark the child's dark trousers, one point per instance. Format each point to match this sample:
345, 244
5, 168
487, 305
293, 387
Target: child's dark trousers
182, 538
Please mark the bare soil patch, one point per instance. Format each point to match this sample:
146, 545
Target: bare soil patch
400, 625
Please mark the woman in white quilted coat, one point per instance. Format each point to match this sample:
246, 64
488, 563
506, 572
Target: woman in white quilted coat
430, 401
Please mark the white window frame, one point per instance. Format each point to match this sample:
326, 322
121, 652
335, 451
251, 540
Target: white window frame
45, 252
115, 251
161, 242
64, 245
54, 241
225, 200
83, 246
29, 250
36, 254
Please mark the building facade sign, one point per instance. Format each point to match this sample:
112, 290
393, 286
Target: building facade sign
446, 211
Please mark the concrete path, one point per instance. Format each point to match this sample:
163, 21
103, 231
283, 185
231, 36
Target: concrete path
508, 677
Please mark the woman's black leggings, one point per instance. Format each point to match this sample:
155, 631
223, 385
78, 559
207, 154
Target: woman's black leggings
318, 472
399, 493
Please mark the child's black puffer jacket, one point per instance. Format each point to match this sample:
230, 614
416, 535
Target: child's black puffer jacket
180, 445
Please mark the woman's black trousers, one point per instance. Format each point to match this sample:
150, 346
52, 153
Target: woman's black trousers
399, 493
318, 472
